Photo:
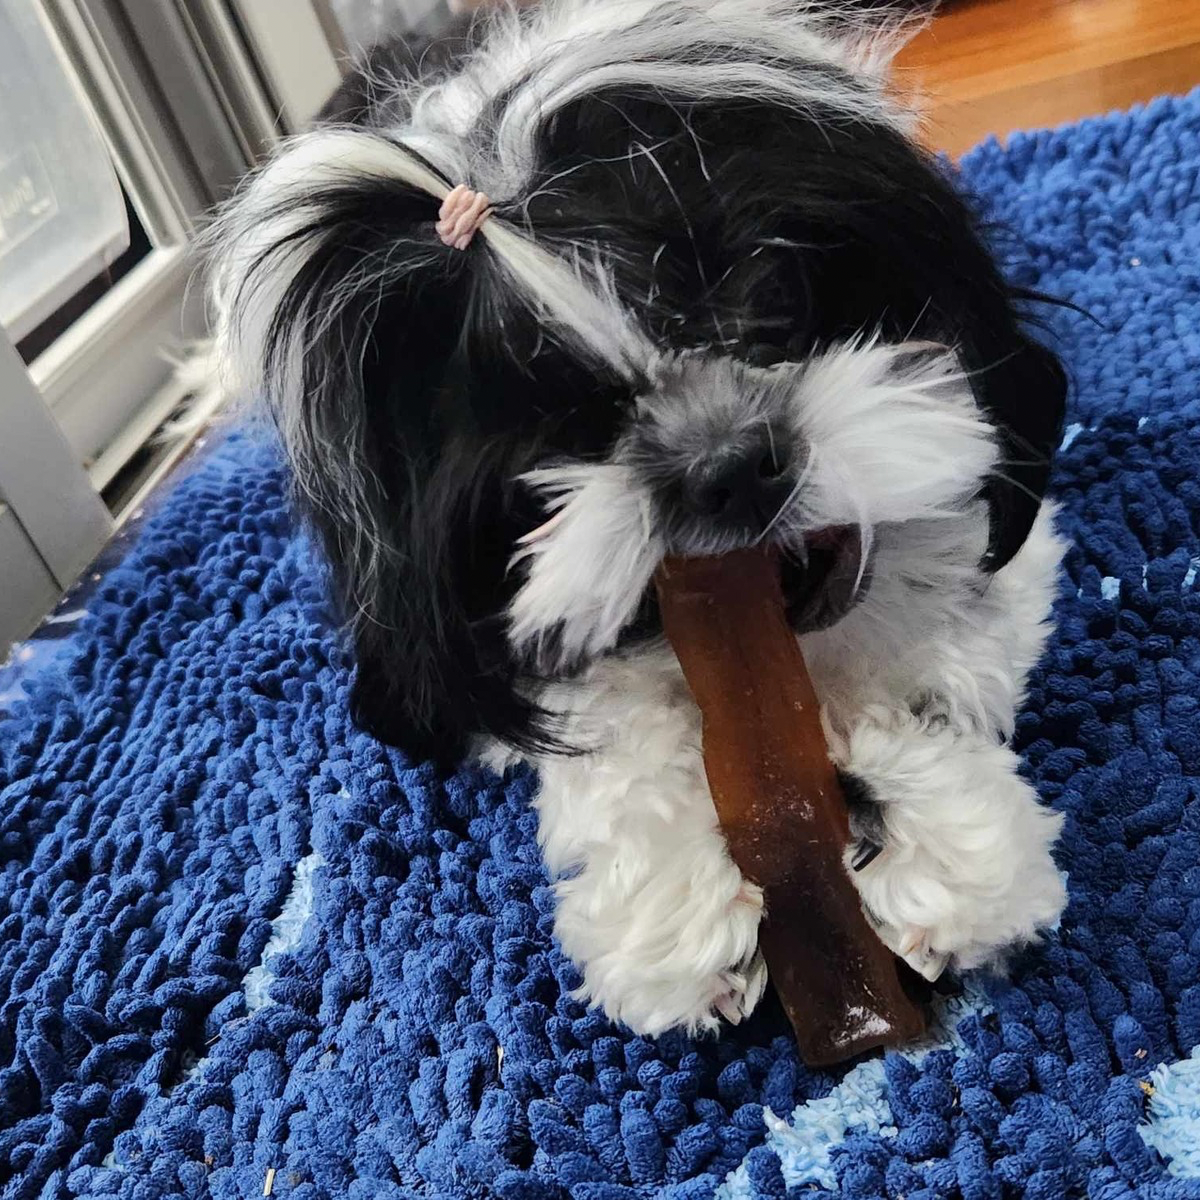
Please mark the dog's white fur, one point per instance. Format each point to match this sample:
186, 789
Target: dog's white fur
661, 922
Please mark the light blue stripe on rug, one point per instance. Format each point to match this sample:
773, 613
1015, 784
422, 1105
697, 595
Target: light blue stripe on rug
1071, 432
806, 1142
285, 932
1174, 1126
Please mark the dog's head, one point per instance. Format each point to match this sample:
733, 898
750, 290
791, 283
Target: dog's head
722, 298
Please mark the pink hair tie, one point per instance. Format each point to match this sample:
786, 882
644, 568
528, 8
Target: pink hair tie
462, 213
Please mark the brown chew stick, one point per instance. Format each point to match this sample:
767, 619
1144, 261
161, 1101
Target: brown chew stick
779, 804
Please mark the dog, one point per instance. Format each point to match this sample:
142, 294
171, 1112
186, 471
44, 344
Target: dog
608, 280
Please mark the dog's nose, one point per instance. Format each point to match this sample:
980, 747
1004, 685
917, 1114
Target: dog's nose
744, 487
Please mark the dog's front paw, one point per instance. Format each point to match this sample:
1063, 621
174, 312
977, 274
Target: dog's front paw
679, 953
964, 870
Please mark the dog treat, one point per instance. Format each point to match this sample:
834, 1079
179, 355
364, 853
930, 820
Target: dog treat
779, 804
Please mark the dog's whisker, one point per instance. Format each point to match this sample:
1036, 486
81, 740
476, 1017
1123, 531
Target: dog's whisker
1016, 483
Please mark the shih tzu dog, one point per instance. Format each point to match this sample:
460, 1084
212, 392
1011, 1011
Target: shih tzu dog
610, 279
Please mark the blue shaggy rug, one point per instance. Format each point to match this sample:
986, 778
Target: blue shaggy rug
244, 949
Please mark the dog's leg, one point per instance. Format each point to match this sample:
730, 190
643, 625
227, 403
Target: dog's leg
953, 858
652, 910
951, 848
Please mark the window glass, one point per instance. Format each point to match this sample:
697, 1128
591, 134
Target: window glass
64, 219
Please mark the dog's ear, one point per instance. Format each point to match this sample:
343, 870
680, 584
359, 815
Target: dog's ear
1022, 386
434, 666
944, 284
336, 302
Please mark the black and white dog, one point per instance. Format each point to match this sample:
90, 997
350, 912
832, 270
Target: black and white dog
720, 297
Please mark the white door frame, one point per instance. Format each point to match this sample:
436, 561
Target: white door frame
43, 482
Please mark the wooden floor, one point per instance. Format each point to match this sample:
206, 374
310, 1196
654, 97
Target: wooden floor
994, 66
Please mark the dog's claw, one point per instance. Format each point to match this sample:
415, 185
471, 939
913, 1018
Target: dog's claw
930, 966
728, 1004
865, 854
756, 982
749, 893
742, 991
913, 946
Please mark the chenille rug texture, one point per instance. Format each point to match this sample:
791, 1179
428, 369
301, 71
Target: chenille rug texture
246, 949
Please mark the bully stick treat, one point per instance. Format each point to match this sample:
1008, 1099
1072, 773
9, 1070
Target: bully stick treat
779, 803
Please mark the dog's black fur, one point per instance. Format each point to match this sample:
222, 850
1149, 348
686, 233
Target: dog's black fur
759, 229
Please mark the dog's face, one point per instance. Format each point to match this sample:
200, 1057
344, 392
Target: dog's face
722, 300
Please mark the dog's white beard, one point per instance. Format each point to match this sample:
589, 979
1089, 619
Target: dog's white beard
894, 440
